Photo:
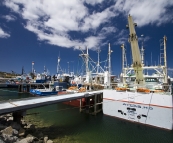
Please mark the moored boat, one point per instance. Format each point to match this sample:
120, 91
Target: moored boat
147, 100
46, 91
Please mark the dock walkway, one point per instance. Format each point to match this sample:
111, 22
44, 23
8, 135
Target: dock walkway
34, 102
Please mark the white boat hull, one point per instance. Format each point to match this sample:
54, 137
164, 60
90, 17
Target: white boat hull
151, 109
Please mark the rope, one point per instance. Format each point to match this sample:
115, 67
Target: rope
148, 108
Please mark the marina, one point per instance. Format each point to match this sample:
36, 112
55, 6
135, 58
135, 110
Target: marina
86, 79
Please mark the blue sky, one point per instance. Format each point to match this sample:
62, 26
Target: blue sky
39, 30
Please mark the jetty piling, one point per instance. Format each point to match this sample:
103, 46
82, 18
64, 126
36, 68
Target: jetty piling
93, 103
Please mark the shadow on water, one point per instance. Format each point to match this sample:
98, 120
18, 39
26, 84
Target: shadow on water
72, 125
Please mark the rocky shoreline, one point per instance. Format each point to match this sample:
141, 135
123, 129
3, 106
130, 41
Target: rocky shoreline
23, 132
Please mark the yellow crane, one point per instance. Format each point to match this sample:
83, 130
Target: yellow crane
137, 63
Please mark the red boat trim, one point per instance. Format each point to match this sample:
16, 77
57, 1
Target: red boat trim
138, 103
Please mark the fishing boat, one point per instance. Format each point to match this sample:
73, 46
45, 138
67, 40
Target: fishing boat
45, 91
145, 101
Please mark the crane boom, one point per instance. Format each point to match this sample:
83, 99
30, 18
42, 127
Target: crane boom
137, 63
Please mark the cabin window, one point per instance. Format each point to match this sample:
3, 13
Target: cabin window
151, 80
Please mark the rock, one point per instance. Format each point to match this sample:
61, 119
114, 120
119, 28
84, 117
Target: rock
23, 123
8, 131
15, 132
45, 139
7, 134
30, 126
1, 141
16, 126
9, 138
8, 115
21, 132
29, 135
49, 141
10, 119
26, 140
34, 138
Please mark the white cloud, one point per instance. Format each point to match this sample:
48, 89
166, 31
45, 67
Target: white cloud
12, 5
9, 17
93, 2
108, 30
147, 11
93, 41
143, 38
121, 40
53, 20
3, 34
93, 21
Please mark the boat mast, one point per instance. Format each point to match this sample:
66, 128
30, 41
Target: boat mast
165, 61
87, 60
109, 64
58, 65
123, 65
98, 62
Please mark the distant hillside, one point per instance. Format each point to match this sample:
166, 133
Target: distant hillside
8, 75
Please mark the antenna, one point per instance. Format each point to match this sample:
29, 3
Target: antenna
142, 50
68, 67
165, 61
58, 65
33, 67
151, 58
98, 62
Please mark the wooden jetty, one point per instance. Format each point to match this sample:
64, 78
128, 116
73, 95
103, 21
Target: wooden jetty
18, 107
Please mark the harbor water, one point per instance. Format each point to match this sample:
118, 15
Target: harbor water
65, 124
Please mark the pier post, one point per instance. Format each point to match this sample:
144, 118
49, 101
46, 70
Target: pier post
98, 99
18, 115
28, 88
87, 101
19, 88
22, 87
